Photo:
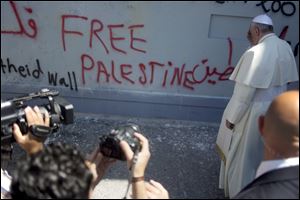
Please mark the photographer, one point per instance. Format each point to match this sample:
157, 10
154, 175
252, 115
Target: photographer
28, 142
60, 171
92, 169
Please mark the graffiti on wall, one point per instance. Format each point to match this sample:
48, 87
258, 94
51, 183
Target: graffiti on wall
37, 71
287, 8
113, 72
21, 28
122, 40
172, 74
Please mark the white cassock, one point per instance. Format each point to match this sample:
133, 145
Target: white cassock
261, 74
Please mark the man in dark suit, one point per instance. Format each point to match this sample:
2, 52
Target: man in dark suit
278, 174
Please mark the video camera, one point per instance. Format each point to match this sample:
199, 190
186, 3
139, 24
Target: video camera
12, 111
110, 144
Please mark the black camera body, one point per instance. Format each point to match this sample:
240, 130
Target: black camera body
110, 144
12, 111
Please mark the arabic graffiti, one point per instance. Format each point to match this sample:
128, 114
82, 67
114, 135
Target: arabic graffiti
179, 75
22, 30
122, 39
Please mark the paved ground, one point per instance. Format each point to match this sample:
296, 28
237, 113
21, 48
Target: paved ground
183, 156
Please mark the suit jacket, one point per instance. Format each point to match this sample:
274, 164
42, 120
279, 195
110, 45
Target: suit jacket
276, 184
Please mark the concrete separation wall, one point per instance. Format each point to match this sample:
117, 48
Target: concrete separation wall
148, 59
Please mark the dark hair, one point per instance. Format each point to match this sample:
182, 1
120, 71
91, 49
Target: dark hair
58, 171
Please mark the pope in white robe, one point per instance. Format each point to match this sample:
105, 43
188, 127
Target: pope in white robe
261, 74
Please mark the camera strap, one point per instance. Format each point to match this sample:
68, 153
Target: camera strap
134, 160
40, 131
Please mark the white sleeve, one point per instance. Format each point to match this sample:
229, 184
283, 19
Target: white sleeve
5, 185
240, 102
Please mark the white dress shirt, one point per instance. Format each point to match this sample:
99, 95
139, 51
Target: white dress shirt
269, 165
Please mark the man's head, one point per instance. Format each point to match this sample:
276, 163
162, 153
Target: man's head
280, 127
260, 26
58, 171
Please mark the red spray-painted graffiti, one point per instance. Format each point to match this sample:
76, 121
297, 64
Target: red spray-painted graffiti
22, 30
95, 30
124, 40
114, 72
282, 36
171, 74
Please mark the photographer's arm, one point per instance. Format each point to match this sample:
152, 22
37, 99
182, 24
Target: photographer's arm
138, 168
28, 142
98, 164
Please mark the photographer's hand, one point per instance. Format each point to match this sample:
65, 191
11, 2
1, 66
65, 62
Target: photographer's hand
28, 142
138, 168
98, 164
156, 191
143, 156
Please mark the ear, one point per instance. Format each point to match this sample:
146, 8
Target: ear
261, 124
257, 31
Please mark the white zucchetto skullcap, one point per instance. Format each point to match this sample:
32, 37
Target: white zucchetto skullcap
263, 19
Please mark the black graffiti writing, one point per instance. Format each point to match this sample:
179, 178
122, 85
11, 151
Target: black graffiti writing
54, 79
222, 2
23, 71
286, 8
35, 71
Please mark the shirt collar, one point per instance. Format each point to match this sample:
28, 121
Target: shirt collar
265, 36
269, 165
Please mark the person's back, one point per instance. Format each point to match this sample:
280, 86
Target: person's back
278, 175
272, 57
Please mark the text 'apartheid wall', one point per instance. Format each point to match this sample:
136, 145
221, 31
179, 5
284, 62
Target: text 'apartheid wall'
151, 59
